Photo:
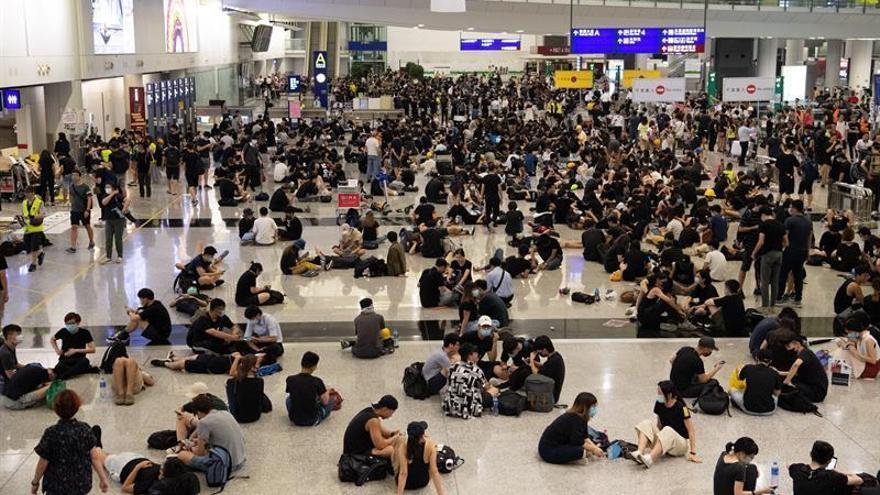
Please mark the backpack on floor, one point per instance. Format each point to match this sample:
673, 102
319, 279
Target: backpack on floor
511, 403
263, 196
539, 392
582, 297
714, 400
447, 460
163, 439
219, 469
360, 468
115, 350
792, 399
414, 384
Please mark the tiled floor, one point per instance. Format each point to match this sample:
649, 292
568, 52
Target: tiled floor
500, 452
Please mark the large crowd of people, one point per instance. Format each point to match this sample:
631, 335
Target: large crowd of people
644, 187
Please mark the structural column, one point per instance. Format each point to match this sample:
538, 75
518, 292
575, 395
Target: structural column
641, 61
833, 54
860, 57
30, 121
61, 97
794, 52
767, 49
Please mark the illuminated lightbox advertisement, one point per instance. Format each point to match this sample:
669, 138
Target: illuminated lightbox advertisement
181, 26
113, 26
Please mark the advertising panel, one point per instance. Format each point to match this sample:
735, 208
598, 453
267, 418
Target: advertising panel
181, 26
113, 26
489, 44
794, 85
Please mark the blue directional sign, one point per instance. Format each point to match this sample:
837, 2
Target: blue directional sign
638, 40
319, 73
294, 84
489, 44
12, 99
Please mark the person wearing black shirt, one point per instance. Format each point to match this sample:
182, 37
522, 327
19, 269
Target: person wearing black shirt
807, 372
567, 439
553, 365
489, 304
816, 478
432, 241
435, 191
246, 224
688, 373
27, 387
152, 318
734, 472
519, 266
424, 213
786, 164
244, 391
365, 434
172, 167
593, 240
193, 170
119, 159
214, 331
246, 291
549, 249
672, 433
763, 386
771, 235
433, 292
292, 228
308, 400
76, 344
799, 232
491, 193
728, 312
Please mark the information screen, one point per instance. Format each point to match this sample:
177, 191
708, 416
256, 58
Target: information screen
638, 40
489, 44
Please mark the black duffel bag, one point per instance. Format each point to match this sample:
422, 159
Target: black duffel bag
359, 468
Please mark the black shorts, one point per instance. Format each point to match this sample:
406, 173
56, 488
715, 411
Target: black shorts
79, 218
786, 184
806, 186
746, 261
192, 180
172, 173
33, 241
209, 364
251, 300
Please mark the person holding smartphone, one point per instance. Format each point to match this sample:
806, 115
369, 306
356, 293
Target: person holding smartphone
819, 476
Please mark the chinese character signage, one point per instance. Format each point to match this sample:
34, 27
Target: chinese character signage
748, 88
638, 40
664, 89
573, 79
489, 44
319, 72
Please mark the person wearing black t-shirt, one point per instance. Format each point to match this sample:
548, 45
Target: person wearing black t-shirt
214, 331
728, 312
816, 478
594, 242
247, 293
553, 366
734, 472
433, 292
520, 266
76, 344
491, 193
424, 213
688, 372
672, 433
151, 317
566, 439
807, 372
308, 401
244, 391
763, 386
771, 238
549, 249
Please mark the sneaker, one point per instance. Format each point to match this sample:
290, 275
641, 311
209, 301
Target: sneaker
96, 431
71, 250
344, 343
40, 258
32, 268
637, 457
756, 292
119, 261
218, 283
796, 303
159, 363
105, 260
91, 246
647, 460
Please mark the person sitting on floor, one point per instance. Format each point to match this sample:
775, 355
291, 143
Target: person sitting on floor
246, 226
368, 328
816, 477
129, 380
27, 387
567, 438
265, 229
671, 433
688, 372
203, 270
762, 386
807, 373
139, 475
244, 391
365, 434
467, 387
262, 334
76, 343
309, 402
415, 460
435, 371
247, 293
210, 428
734, 471
214, 331
151, 317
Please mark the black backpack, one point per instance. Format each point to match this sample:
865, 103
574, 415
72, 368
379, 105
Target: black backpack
582, 297
115, 350
162, 439
714, 400
511, 403
414, 384
359, 468
447, 460
792, 399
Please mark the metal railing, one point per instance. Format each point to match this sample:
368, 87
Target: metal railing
294, 45
824, 6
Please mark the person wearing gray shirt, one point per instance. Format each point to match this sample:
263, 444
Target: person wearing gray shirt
368, 326
214, 428
80, 210
436, 367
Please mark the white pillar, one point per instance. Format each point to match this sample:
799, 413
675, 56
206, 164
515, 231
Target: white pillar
861, 54
59, 98
30, 121
767, 57
794, 52
641, 60
832, 62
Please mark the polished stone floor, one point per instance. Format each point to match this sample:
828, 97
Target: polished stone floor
500, 452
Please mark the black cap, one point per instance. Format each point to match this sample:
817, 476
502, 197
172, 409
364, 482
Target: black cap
388, 402
366, 302
864, 231
708, 343
247, 211
416, 428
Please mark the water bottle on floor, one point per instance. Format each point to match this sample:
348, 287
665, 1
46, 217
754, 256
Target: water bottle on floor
774, 474
495, 406
396, 336
103, 393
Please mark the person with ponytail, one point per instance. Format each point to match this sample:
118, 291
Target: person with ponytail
567, 438
244, 391
734, 473
415, 460
671, 433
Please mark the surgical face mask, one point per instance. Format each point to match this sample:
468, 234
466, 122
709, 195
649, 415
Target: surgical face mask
594, 410
852, 335
698, 280
71, 327
661, 399
209, 259
108, 190
18, 339
485, 331
475, 293
220, 314
193, 290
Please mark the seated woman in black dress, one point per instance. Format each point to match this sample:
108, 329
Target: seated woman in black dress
415, 460
567, 438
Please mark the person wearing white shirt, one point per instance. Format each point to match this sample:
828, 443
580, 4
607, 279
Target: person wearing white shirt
373, 146
675, 226
265, 229
499, 281
715, 262
263, 333
743, 134
280, 172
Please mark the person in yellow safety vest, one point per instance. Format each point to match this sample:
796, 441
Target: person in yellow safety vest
32, 216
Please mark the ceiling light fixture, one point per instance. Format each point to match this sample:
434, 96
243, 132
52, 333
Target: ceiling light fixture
421, 25
470, 29
519, 30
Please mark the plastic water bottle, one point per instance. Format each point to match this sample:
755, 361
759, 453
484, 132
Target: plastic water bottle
396, 336
102, 389
774, 474
495, 406
596, 294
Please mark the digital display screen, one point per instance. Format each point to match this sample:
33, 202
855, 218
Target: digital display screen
638, 40
489, 44
113, 26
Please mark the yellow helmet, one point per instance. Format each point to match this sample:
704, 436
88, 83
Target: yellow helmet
710, 193
386, 333
570, 165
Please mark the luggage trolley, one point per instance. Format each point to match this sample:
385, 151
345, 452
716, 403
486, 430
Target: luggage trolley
842, 196
348, 196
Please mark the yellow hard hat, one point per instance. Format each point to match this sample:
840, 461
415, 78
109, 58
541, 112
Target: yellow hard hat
710, 193
570, 165
386, 333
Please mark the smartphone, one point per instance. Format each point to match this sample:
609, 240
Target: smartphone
833, 463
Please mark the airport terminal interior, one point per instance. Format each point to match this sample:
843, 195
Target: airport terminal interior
439, 246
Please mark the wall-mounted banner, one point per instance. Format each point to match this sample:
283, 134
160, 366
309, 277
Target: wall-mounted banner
748, 88
664, 89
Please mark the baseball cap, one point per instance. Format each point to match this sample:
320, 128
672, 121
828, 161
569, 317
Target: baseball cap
197, 388
484, 321
708, 343
387, 401
416, 428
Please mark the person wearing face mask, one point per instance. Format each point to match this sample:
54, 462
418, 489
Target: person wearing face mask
151, 317
468, 388
860, 348
76, 343
671, 433
550, 363
734, 472
202, 270
262, 333
489, 304
114, 205
368, 327
247, 293
214, 331
763, 386
8, 358
566, 439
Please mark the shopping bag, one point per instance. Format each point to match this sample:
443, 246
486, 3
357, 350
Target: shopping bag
735, 149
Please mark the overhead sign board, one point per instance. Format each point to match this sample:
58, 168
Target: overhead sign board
573, 79
12, 99
367, 46
748, 88
663, 89
489, 44
319, 73
638, 40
